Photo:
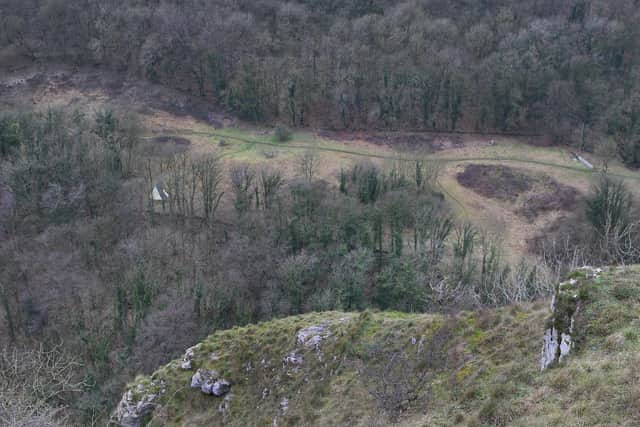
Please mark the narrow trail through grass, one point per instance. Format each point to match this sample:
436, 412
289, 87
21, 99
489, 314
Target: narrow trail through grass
249, 144
253, 142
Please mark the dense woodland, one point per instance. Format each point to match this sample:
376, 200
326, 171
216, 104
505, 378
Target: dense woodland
98, 283
568, 68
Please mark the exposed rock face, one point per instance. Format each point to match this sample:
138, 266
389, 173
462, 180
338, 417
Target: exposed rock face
420, 343
218, 388
129, 412
549, 348
208, 382
188, 358
133, 407
293, 361
200, 377
558, 341
312, 336
284, 406
554, 350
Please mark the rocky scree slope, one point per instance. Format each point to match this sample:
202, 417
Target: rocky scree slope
520, 365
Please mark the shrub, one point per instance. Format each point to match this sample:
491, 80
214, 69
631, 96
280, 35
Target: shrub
282, 133
609, 207
610, 213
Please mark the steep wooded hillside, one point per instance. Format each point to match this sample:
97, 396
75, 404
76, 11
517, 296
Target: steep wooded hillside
569, 68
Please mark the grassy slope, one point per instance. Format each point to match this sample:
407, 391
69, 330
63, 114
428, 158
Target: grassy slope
493, 378
248, 145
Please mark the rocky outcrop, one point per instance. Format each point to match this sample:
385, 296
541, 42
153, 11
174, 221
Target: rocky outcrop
209, 382
312, 336
217, 388
558, 336
136, 404
292, 361
420, 343
308, 338
557, 339
188, 358
284, 406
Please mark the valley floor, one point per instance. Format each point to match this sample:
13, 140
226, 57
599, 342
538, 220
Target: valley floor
192, 127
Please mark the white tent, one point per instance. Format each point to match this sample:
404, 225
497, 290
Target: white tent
158, 194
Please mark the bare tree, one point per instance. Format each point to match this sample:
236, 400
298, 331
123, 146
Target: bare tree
269, 184
563, 253
308, 164
34, 384
192, 185
208, 174
180, 184
242, 180
19, 411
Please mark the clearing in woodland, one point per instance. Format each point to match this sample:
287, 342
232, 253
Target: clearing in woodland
510, 186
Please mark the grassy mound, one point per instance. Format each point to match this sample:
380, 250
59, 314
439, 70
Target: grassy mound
483, 368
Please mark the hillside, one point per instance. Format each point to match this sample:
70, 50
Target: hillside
565, 68
174, 123
366, 205
94, 271
478, 367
